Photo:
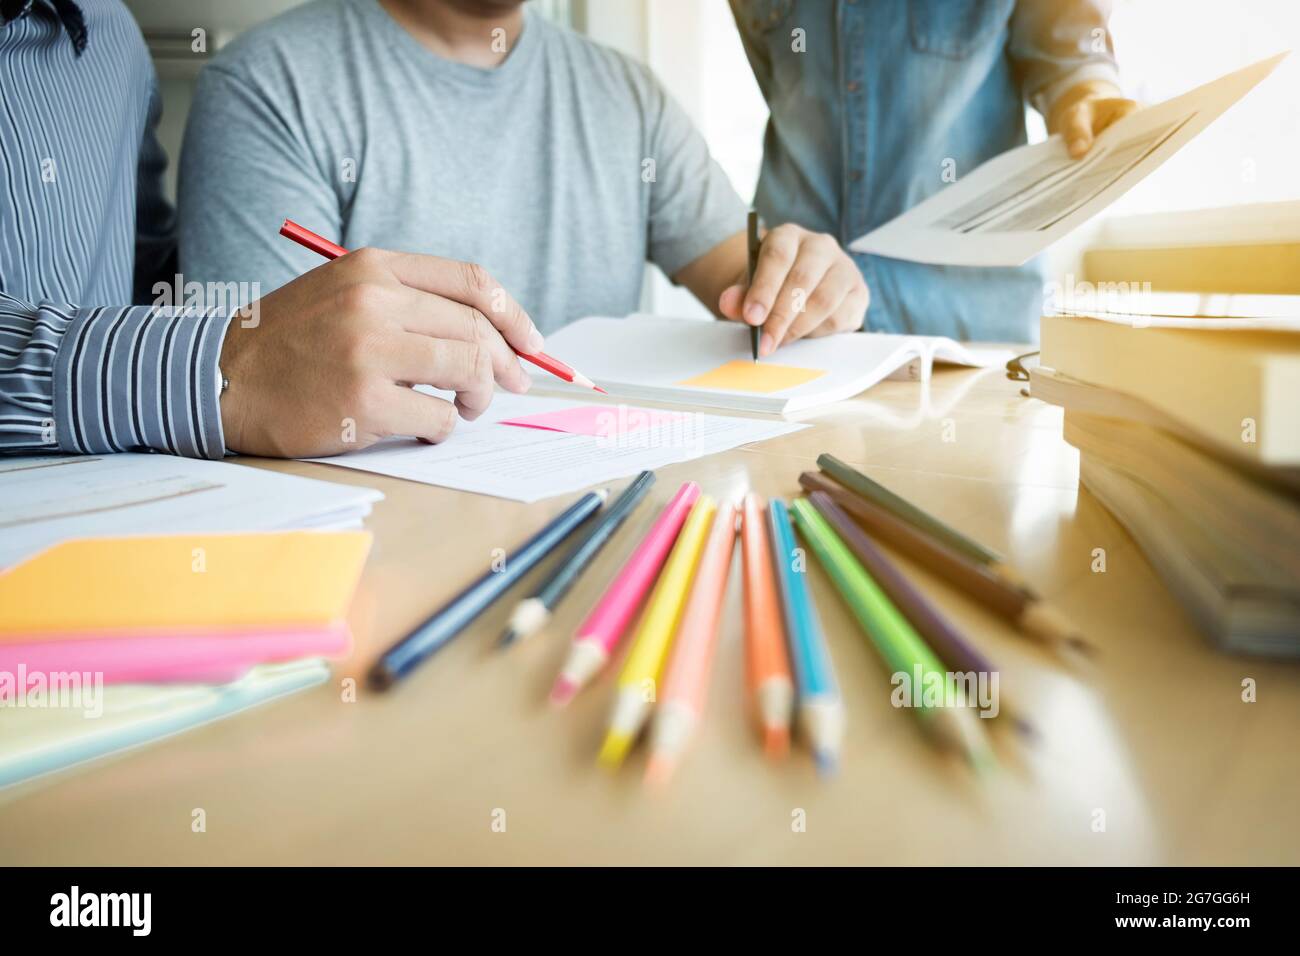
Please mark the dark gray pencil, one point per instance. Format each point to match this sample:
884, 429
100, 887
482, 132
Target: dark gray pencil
532, 613
752, 228
452, 618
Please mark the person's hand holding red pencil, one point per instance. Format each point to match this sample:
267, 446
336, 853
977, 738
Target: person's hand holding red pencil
325, 363
531, 353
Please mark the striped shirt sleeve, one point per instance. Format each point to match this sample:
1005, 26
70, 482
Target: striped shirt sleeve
107, 379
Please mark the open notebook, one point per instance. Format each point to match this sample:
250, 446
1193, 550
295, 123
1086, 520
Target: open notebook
701, 363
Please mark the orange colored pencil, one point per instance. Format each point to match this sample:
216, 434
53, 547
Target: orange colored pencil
686, 678
767, 660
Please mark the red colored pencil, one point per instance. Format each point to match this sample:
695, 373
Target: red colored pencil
332, 250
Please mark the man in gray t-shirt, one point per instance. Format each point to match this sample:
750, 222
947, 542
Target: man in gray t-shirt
478, 131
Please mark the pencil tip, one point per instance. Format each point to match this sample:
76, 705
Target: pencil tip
1026, 729
614, 749
563, 691
776, 741
658, 771
983, 761
1081, 646
381, 678
826, 762
580, 379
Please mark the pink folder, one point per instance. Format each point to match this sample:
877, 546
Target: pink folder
198, 656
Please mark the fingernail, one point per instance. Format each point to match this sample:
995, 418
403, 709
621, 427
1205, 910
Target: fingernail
766, 345
535, 340
754, 313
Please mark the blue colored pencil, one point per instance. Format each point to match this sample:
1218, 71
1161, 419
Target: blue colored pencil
532, 613
448, 621
821, 710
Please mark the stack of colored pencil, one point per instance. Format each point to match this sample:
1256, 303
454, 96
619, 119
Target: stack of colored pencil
669, 594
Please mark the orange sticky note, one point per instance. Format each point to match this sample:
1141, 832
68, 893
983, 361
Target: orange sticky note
745, 376
184, 580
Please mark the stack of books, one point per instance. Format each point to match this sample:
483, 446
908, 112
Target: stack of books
1188, 430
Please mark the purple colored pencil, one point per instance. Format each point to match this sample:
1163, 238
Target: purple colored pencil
942, 637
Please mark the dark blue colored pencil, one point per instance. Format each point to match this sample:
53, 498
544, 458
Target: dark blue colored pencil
532, 613
448, 621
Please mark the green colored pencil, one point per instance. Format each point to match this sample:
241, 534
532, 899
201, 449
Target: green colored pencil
903, 650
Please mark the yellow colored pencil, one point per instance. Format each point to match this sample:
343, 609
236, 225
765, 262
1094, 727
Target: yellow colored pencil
638, 682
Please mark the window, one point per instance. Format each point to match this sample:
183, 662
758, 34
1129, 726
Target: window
1166, 47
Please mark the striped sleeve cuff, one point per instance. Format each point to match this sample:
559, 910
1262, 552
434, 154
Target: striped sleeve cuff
139, 376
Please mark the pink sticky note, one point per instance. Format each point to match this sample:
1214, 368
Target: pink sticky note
597, 421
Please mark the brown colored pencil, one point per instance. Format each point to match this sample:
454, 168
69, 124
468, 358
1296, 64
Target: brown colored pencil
922, 520
1029, 613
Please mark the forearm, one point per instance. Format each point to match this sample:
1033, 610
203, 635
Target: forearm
1057, 45
107, 379
711, 274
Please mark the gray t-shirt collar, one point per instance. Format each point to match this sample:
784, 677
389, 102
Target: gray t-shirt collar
486, 78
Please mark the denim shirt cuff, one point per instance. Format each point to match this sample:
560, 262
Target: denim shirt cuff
1046, 98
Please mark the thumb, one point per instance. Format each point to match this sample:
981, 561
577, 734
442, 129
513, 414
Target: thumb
731, 300
1077, 128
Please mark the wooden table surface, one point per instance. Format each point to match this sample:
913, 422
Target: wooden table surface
1154, 739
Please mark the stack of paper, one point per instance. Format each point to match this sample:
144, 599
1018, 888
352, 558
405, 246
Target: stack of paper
1189, 432
48, 499
39, 738
88, 623
528, 448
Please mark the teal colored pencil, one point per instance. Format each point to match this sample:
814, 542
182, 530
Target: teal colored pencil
821, 709
903, 650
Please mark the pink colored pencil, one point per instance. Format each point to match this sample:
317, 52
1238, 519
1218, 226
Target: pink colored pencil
596, 639
686, 680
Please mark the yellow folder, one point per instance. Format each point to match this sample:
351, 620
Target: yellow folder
183, 581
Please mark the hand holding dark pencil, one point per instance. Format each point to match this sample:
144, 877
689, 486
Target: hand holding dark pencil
789, 283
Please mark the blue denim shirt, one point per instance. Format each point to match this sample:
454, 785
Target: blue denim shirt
873, 101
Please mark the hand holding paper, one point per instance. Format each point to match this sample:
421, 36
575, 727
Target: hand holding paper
1084, 111
1017, 204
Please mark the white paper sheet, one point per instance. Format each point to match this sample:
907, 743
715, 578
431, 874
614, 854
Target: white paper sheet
47, 499
1187, 310
1017, 204
647, 358
526, 464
